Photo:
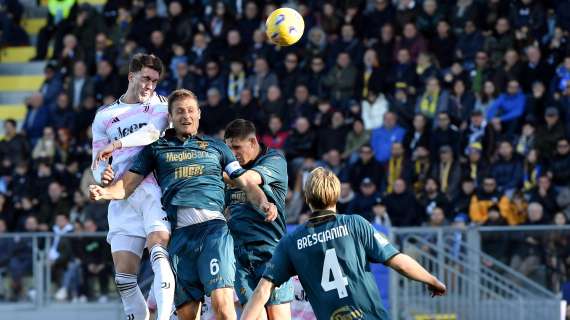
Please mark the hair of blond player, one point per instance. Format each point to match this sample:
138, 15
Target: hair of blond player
322, 189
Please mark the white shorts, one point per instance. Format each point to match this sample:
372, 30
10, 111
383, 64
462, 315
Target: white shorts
136, 217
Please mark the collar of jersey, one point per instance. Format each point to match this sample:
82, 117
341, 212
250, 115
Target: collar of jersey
321, 216
170, 134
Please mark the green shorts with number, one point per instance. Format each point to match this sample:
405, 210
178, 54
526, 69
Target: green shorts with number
203, 260
250, 265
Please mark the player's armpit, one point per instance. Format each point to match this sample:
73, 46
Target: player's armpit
260, 296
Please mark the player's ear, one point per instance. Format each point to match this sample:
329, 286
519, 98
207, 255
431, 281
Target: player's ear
199, 113
130, 76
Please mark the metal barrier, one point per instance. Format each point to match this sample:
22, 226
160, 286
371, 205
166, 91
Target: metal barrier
475, 291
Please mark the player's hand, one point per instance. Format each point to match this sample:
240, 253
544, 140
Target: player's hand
270, 211
106, 152
107, 176
96, 192
437, 288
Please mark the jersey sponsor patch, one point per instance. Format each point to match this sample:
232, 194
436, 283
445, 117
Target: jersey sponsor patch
232, 167
347, 313
381, 239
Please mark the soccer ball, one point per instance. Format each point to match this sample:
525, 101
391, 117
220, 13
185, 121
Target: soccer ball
284, 26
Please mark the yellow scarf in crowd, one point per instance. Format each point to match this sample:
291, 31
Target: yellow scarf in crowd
394, 171
428, 104
444, 175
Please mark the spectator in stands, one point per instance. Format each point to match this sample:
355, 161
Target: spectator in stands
421, 165
509, 69
398, 167
248, 108
365, 166
372, 79
532, 169
433, 100
21, 261
548, 134
60, 255
262, 78
159, 48
487, 95
364, 200
45, 148
341, 79
382, 13
402, 206
275, 137
54, 202
332, 135
300, 105
536, 103
62, 117
447, 172
373, 110
236, 80
528, 252
79, 85
527, 140
291, 74
106, 81
535, 69
419, 136
462, 200
52, 85
214, 79
508, 108
301, 143
381, 217
508, 169
432, 198
13, 146
355, 139
383, 137
545, 195
403, 72
487, 196
315, 78
445, 134
559, 167
469, 43
215, 114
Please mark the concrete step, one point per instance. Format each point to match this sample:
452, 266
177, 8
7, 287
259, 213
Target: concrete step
19, 54
20, 83
28, 68
14, 97
13, 111
33, 25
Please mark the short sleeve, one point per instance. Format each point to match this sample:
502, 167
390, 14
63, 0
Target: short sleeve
144, 163
272, 169
229, 162
279, 269
377, 247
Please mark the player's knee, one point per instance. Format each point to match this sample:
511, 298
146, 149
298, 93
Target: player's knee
126, 262
126, 283
158, 238
223, 304
279, 311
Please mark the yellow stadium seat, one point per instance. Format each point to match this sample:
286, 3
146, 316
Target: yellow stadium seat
13, 111
33, 25
20, 83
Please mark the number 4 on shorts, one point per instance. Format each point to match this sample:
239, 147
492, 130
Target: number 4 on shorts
339, 282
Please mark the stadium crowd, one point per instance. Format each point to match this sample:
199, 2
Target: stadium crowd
431, 112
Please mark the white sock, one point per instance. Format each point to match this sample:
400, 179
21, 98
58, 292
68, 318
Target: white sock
134, 303
163, 282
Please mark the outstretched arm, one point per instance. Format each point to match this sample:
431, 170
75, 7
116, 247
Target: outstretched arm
260, 296
142, 137
411, 269
122, 189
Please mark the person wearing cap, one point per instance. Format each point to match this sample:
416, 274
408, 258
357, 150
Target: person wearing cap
549, 133
381, 216
364, 201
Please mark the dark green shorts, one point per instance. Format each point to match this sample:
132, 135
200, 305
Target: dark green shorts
203, 260
250, 265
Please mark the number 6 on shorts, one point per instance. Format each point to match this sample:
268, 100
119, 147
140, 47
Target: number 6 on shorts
214, 267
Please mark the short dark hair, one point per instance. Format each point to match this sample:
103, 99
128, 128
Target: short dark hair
179, 95
11, 121
141, 60
239, 129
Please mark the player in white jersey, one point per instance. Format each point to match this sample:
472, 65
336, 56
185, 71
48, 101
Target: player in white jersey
122, 129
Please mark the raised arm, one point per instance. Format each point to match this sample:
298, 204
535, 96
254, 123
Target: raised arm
260, 296
121, 189
411, 269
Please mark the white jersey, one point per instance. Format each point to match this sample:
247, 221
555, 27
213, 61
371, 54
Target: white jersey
118, 120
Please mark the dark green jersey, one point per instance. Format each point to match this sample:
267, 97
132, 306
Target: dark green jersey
189, 172
332, 260
247, 224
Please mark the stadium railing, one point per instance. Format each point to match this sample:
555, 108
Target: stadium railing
480, 285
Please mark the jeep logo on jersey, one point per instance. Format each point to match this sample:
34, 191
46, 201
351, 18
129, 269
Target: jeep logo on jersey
347, 313
123, 132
